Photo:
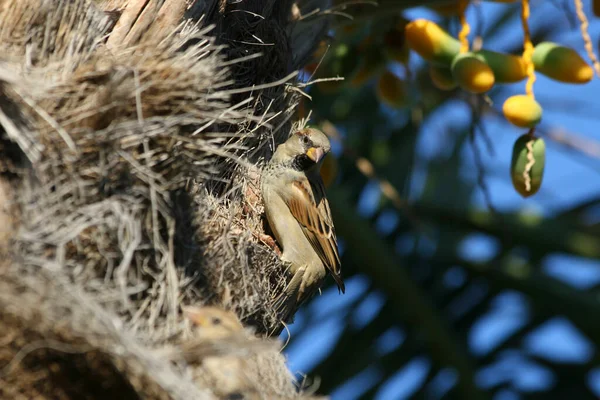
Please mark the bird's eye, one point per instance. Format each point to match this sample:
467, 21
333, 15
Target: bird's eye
305, 139
216, 321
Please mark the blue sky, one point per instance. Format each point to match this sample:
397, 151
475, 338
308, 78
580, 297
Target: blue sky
570, 177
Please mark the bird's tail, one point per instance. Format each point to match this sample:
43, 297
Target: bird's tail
285, 305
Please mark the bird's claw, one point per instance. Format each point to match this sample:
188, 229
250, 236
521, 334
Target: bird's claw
269, 241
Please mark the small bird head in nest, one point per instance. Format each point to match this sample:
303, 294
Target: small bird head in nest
213, 322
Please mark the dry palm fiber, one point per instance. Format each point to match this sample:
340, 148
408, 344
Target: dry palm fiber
127, 168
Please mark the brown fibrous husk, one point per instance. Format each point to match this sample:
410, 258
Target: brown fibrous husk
130, 180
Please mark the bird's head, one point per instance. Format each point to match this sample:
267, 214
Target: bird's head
213, 322
304, 150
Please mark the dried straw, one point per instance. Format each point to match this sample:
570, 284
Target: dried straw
132, 172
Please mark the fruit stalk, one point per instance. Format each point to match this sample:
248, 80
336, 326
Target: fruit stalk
527, 47
465, 29
589, 47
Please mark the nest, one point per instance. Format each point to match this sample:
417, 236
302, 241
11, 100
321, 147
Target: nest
129, 178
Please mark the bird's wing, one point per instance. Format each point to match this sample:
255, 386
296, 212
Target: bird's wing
310, 207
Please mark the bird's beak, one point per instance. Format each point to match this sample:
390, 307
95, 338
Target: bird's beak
193, 314
315, 154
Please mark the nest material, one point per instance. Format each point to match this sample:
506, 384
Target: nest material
133, 194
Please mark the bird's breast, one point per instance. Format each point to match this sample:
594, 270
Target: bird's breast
288, 232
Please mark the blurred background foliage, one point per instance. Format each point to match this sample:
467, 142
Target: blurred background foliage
457, 287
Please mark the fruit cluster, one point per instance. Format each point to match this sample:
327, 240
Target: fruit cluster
478, 71
359, 58
453, 65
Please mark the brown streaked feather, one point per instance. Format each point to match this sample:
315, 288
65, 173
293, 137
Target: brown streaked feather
310, 207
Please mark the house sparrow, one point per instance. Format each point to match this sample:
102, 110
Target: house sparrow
221, 368
239, 365
299, 216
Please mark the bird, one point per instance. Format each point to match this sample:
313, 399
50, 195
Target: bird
298, 213
219, 337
